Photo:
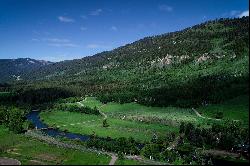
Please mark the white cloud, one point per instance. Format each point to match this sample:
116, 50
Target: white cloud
236, 13
244, 13
65, 19
96, 12
165, 8
114, 28
83, 28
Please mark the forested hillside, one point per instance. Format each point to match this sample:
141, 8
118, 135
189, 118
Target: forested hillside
12, 69
206, 63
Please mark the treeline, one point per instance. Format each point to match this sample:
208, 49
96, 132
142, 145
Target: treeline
69, 100
36, 96
206, 89
43, 95
123, 145
227, 135
4, 87
193, 93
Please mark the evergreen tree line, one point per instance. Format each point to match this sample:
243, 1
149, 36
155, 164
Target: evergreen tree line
208, 89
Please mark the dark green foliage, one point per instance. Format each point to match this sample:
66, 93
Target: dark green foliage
70, 100
42, 95
120, 155
185, 149
121, 145
219, 115
8, 97
152, 150
221, 135
105, 123
12, 117
32, 97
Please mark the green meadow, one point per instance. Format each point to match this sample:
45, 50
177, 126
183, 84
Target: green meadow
90, 124
33, 152
137, 112
138, 121
234, 109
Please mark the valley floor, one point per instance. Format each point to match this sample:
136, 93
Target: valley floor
124, 120
31, 151
138, 121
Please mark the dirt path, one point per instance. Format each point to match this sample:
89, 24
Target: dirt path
221, 153
80, 103
113, 160
103, 114
145, 161
199, 115
9, 161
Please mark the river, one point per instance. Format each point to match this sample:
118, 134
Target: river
33, 116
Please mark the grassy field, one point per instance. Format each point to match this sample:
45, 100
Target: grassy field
30, 151
92, 102
89, 124
236, 109
134, 111
141, 122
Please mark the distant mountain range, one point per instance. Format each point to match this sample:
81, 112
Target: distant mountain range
12, 69
203, 60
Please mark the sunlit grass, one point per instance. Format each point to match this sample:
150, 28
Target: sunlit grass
89, 124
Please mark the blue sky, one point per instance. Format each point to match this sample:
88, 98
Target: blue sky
58, 30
